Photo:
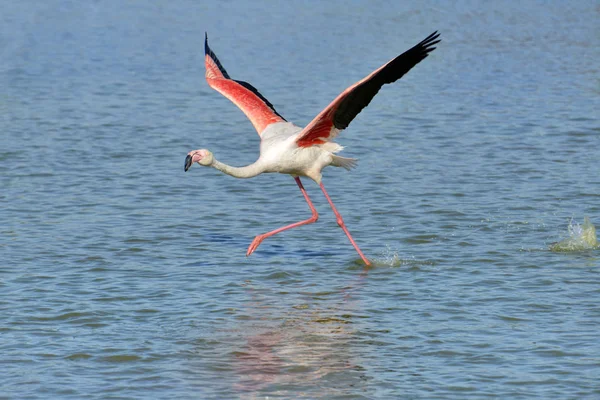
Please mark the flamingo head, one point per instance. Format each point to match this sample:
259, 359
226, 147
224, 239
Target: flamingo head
202, 157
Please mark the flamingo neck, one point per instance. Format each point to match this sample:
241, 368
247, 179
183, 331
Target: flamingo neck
248, 171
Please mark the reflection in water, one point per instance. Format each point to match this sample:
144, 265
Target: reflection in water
581, 237
310, 348
259, 365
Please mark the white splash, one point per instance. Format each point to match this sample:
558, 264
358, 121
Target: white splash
581, 237
391, 258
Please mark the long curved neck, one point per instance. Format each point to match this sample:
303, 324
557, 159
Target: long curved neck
248, 171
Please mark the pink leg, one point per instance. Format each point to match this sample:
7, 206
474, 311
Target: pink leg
257, 240
340, 222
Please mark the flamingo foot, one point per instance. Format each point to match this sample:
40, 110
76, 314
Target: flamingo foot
255, 243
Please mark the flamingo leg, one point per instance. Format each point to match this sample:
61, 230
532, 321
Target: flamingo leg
258, 239
340, 222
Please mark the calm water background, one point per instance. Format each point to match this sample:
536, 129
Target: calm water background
123, 277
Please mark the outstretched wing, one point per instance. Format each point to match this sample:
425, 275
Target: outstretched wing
256, 107
338, 115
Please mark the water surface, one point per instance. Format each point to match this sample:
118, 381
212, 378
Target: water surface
123, 277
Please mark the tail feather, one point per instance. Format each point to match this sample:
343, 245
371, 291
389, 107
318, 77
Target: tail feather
344, 162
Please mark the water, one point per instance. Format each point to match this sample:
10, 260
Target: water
123, 277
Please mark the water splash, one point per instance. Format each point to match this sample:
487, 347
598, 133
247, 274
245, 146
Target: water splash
388, 259
581, 237
391, 258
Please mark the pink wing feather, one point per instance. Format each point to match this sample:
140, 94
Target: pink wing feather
256, 107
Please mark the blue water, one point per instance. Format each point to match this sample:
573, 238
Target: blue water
123, 277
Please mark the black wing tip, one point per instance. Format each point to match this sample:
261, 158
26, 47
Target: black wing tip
430, 41
208, 51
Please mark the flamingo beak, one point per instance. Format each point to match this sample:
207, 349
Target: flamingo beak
188, 163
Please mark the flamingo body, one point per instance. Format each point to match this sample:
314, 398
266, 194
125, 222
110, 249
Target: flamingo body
288, 149
280, 152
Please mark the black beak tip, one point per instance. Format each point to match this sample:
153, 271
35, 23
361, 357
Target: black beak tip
188, 163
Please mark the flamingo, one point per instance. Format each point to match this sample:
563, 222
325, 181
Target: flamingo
289, 149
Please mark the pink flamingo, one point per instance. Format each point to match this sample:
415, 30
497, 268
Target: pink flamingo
289, 149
